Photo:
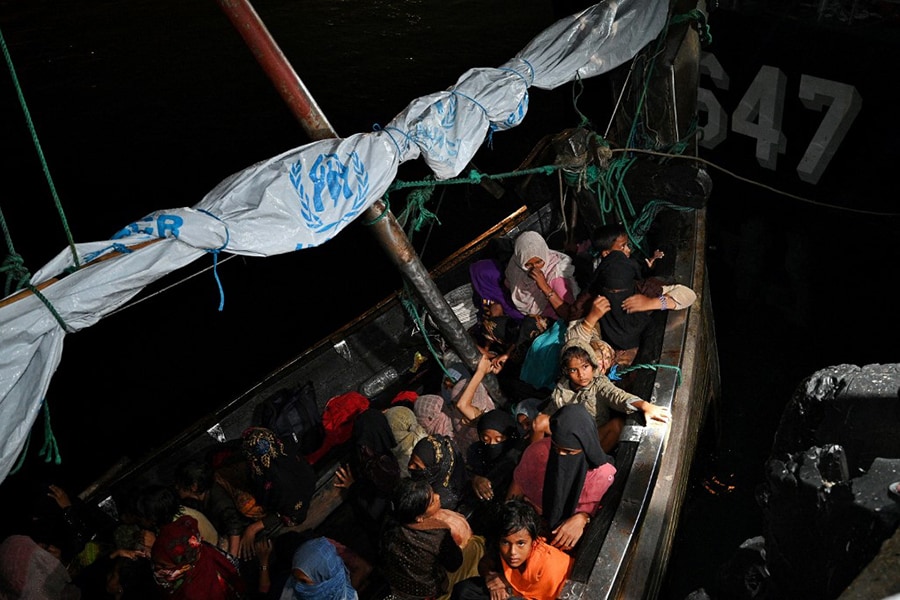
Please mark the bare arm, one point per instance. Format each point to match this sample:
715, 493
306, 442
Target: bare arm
464, 403
674, 297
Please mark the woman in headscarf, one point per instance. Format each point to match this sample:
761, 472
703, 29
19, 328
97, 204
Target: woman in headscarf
430, 413
283, 484
186, 567
490, 292
565, 475
318, 573
525, 413
407, 432
437, 460
373, 472
541, 281
493, 457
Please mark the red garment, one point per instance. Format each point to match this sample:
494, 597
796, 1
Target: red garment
186, 568
338, 417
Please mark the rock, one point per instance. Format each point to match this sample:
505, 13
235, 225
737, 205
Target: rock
825, 501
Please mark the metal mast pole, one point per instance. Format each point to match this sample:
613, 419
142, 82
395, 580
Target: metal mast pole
386, 229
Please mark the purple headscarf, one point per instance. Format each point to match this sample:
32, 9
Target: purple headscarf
487, 281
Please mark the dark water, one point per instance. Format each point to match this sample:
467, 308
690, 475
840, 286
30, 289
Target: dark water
140, 107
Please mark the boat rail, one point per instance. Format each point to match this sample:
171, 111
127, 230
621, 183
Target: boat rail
629, 549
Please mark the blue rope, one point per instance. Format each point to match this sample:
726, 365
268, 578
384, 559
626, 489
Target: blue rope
215, 252
530, 67
470, 99
517, 73
387, 130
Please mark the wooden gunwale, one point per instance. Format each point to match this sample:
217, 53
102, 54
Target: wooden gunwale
633, 556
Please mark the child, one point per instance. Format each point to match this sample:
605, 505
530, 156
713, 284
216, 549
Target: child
583, 382
521, 563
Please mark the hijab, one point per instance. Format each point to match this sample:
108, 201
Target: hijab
430, 413
371, 430
375, 445
406, 430
186, 567
571, 427
487, 283
319, 559
282, 483
529, 408
484, 458
616, 278
526, 296
444, 468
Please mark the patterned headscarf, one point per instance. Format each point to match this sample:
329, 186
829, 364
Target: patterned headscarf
261, 447
444, 468
430, 413
283, 484
186, 567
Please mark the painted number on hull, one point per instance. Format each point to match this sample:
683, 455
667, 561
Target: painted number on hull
760, 111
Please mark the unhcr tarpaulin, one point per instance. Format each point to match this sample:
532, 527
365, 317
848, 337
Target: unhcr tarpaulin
299, 199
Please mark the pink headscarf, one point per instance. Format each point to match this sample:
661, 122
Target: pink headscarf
526, 295
430, 414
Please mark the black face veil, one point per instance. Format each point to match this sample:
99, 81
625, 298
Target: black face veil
571, 427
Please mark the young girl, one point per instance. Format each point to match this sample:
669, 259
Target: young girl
583, 382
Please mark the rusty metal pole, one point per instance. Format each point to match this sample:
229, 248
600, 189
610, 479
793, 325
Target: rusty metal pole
385, 226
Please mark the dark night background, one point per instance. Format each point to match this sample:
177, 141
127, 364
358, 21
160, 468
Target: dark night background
140, 106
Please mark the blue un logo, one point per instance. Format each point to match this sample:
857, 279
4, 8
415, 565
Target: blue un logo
332, 192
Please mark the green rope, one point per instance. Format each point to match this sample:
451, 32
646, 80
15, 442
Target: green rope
699, 17
37, 145
410, 306
50, 450
577, 90
652, 367
387, 207
22, 455
415, 210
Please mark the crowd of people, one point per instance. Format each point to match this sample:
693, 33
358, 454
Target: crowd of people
452, 495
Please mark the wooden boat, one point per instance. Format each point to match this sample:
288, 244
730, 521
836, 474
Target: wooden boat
625, 551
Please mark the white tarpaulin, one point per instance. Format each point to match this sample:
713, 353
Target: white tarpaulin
299, 199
